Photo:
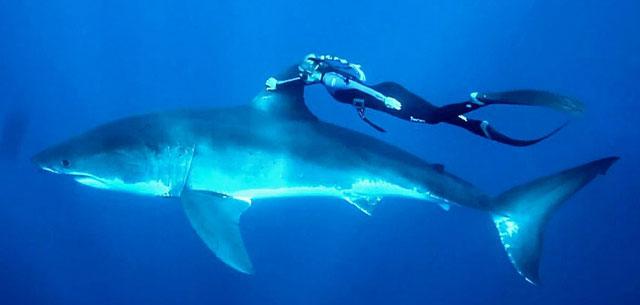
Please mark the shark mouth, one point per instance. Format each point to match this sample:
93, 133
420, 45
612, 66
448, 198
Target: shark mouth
82, 178
88, 180
151, 187
47, 169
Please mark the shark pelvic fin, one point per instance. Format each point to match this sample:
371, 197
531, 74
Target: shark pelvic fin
364, 203
216, 220
521, 212
445, 206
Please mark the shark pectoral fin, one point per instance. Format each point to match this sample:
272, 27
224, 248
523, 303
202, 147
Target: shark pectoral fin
364, 203
216, 220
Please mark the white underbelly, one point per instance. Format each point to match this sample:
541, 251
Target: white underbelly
249, 175
364, 194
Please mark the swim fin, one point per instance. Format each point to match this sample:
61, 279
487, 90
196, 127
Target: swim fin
492, 134
533, 98
483, 129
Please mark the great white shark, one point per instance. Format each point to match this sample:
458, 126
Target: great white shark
218, 161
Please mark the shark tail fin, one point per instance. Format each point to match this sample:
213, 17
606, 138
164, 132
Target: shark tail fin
521, 212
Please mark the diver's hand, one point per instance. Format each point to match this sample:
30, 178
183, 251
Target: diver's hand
271, 84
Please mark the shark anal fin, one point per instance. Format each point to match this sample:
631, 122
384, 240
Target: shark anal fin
216, 220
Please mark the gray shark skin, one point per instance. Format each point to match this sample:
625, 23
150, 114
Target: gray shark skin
218, 161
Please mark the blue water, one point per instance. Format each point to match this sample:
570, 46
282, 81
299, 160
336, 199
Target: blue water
67, 65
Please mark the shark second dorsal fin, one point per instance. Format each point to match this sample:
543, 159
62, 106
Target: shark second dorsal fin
286, 101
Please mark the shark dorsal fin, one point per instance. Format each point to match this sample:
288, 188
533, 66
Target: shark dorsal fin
287, 101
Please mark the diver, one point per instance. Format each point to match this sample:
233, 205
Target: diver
345, 81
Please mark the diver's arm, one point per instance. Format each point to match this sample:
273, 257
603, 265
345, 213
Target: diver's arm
388, 101
334, 81
273, 84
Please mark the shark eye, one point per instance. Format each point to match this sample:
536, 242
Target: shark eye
65, 163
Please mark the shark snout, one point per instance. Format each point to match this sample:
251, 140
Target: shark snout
44, 161
37, 160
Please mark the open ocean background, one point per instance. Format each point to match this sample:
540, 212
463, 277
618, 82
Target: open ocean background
68, 65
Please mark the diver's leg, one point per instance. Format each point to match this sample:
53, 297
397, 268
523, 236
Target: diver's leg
454, 110
516, 97
483, 129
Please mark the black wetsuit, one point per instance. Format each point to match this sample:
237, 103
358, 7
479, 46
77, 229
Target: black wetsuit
348, 88
416, 109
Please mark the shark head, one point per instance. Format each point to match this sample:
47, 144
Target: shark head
128, 155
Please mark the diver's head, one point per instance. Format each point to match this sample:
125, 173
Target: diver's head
310, 68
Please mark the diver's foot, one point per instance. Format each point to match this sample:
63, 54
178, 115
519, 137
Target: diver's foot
484, 125
474, 98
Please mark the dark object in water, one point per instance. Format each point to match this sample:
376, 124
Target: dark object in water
14, 127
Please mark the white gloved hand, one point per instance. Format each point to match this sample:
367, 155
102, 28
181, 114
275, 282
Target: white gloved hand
392, 103
271, 84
